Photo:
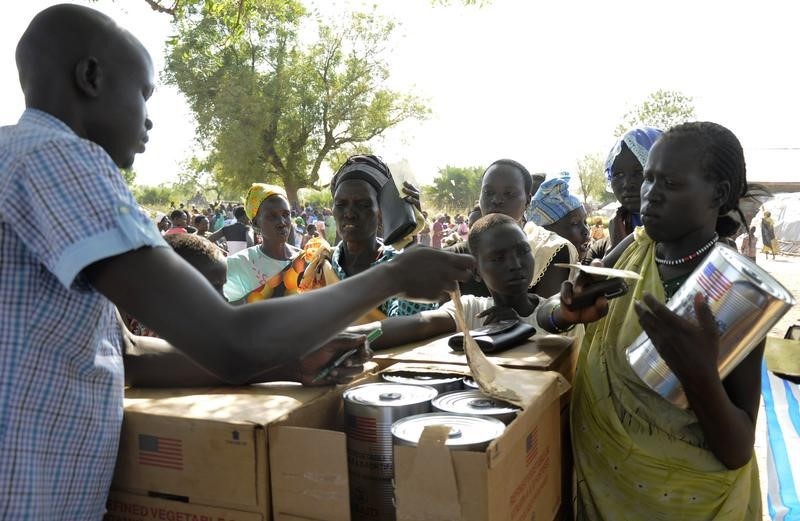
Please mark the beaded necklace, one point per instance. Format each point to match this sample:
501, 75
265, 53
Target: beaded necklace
686, 258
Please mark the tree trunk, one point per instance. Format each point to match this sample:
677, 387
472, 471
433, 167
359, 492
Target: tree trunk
291, 187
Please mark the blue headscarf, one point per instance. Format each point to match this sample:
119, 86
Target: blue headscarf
552, 201
639, 141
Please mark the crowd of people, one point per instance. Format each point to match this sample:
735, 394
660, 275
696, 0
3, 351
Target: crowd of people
227, 302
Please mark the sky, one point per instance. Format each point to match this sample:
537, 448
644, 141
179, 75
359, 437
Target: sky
538, 81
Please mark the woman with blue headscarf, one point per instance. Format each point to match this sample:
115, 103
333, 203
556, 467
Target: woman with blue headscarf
558, 211
624, 170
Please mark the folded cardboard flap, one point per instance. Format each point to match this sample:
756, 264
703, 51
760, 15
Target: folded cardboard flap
539, 352
427, 488
313, 473
497, 381
311, 439
260, 403
783, 356
428, 368
204, 446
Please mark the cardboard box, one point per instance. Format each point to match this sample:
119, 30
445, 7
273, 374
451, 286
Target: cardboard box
130, 507
517, 478
545, 353
204, 446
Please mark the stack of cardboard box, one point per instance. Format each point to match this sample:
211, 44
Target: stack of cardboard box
278, 451
200, 454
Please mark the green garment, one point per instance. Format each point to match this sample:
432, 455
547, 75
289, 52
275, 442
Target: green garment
330, 229
637, 456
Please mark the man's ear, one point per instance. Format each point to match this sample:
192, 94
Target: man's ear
89, 76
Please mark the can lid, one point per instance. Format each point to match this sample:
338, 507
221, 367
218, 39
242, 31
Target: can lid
471, 383
421, 378
464, 429
389, 394
472, 402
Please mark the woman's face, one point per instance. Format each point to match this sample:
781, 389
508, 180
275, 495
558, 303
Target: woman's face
678, 197
273, 219
355, 208
626, 179
503, 191
573, 228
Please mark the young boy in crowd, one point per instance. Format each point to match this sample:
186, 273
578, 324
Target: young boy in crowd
204, 256
505, 264
86, 83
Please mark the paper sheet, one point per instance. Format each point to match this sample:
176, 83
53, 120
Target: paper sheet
601, 271
494, 380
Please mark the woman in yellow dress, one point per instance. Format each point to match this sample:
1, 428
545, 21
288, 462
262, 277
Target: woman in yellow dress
638, 456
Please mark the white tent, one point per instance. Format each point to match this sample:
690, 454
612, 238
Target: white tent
785, 210
608, 211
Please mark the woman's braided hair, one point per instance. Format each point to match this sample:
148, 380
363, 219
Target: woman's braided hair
722, 157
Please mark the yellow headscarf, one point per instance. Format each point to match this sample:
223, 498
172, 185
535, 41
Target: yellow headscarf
256, 195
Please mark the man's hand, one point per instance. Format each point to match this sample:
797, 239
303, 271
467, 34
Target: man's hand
310, 366
411, 193
427, 273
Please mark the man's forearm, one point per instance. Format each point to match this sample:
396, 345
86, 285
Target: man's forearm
153, 362
335, 307
235, 344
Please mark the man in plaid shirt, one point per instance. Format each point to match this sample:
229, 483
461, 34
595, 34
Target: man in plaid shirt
86, 82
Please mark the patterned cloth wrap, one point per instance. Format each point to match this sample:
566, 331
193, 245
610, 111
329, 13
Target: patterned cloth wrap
552, 201
637, 456
325, 269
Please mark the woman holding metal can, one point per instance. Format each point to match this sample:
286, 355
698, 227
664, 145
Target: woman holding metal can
637, 455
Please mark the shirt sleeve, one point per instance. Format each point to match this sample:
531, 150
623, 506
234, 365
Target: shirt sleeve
69, 205
472, 306
234, 288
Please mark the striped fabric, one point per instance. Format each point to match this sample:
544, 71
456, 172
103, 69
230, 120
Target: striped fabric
63, 206
782, 407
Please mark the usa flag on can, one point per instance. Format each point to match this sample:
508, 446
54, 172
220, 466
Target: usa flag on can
713, 282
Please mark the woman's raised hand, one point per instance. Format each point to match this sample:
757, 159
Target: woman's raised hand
689, 348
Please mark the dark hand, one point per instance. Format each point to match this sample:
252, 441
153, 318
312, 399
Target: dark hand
584, 315
412, 195
427, 273
690, 349
497, 314
310, 365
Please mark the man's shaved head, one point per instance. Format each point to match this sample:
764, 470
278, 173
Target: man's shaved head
78, 65
57, 38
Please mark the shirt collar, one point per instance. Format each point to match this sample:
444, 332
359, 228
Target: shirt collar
43, 119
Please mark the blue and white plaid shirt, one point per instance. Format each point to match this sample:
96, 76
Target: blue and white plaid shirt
63, 206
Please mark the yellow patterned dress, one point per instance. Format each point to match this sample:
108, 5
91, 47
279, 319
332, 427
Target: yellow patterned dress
636, 455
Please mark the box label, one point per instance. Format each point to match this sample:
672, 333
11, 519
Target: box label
133, 510
538, 464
